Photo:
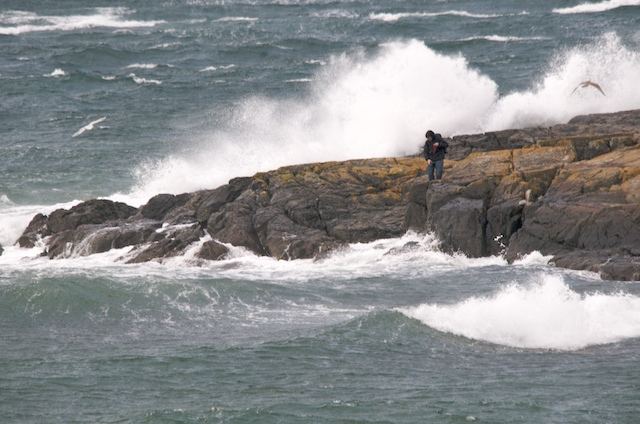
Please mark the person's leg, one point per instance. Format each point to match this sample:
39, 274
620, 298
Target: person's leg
430, 169
439, 165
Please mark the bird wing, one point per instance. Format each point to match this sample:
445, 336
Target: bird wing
88, 127
597, 86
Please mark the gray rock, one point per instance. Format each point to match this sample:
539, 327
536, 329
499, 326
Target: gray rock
212, 251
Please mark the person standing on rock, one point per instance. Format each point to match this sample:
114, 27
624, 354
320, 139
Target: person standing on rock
435, 148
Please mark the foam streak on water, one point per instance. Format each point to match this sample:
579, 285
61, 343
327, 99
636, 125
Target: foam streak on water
597, 7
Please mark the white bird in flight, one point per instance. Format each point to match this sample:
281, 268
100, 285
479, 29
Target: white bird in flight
585, 84
88, 127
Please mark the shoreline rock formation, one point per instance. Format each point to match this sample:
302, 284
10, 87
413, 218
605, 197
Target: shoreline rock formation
571, 190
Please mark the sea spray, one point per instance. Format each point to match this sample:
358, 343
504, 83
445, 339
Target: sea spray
362, 106
544, 314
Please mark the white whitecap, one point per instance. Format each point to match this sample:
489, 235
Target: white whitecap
142, 66
596, 7
335, 13
56, 73
15, 22
393, 17
546, 314
236, 19
143, 81
503, 38
208, 69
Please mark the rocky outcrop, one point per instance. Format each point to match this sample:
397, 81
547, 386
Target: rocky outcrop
569, 190
571, 196
293, 212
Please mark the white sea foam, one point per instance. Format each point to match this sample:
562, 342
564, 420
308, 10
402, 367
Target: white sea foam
108, 77
335, 13
15, 218
361, 106
533, 258
236, 19
56, 73
142, 66
299, 80
545, 314
393, 17
109, 17
143, 81
602, 6
208, 69
503, 38
420, 259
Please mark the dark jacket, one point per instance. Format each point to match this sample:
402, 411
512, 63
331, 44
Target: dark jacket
435, 153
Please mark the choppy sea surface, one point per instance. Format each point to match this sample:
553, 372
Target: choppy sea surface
127, 99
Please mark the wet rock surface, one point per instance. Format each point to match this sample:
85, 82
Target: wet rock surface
570, 190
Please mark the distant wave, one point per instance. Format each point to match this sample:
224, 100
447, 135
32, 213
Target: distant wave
56, 73
140, 80
335, 13
215, 68
299, 80
236, 19
597, 7
315, 62
142, 66
110, 17
502, 38
392, 17
544, 315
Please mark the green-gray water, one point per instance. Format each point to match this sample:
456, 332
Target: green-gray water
187, 94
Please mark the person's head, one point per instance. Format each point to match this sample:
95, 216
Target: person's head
429, 135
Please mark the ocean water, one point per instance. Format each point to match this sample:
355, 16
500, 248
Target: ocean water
127, 99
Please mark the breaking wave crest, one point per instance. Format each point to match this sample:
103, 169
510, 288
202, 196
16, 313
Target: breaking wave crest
597, 7
363, 106
544, 315
18, 22
392, 17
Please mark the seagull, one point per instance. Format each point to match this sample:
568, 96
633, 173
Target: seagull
585, 84
88, 127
